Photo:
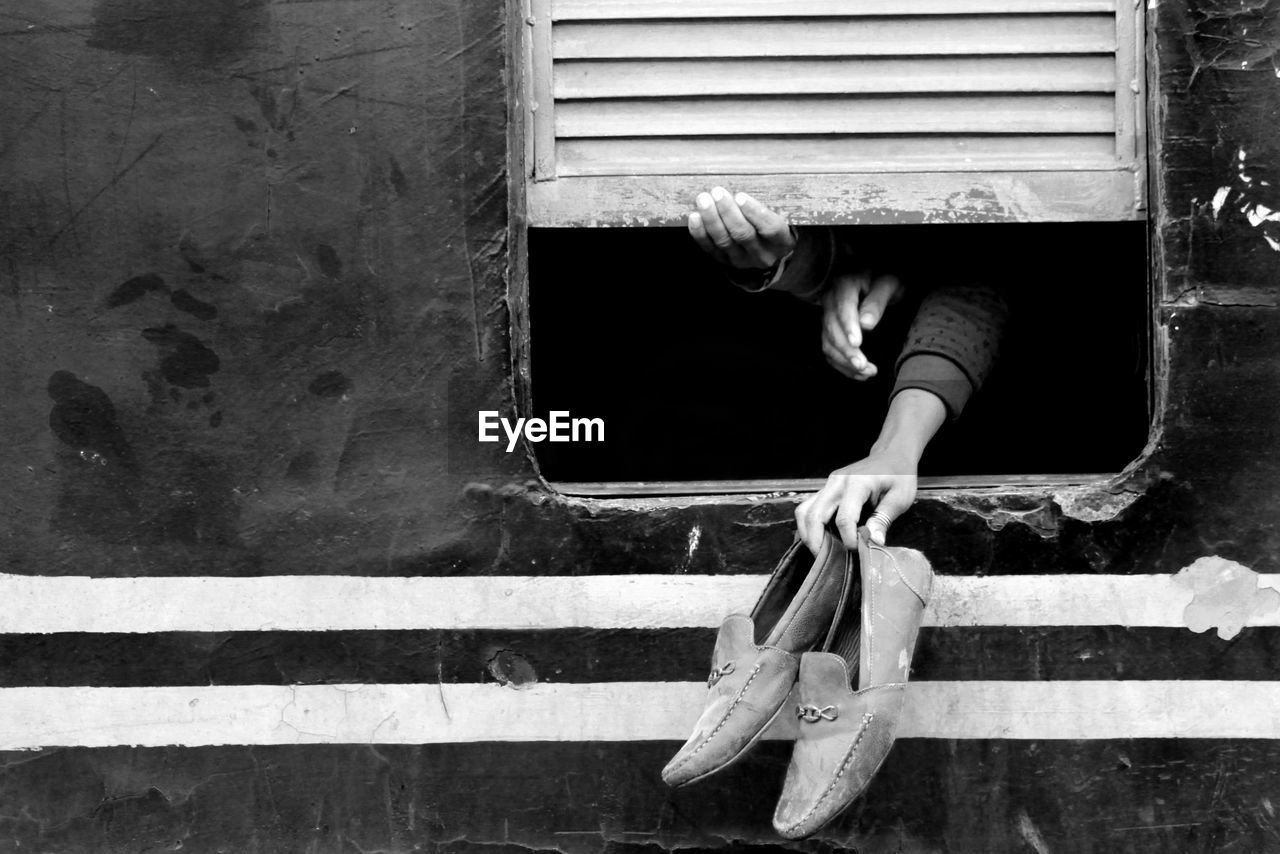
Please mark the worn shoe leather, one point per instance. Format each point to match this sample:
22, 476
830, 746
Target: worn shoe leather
754, 665
845, 735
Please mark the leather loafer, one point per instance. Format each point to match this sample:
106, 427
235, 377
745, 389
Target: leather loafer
753, 668
845, 735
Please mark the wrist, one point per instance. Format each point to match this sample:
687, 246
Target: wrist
913, 419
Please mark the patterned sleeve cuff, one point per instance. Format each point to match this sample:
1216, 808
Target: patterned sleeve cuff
936, 374
963, 326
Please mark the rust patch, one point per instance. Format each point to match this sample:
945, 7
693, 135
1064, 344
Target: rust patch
1225, 594
512, 669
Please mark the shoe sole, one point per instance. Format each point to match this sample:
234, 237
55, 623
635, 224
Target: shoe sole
741, 753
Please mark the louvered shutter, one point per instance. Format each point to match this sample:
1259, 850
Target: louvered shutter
835, 110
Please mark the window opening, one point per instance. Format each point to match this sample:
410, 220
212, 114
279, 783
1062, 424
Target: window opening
697, 380
1016, 126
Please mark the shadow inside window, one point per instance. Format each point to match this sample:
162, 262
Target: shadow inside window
696, 379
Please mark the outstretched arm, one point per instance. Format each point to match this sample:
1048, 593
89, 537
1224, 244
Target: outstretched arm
950, 349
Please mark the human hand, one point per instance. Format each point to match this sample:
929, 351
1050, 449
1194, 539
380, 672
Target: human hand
853, 305
739, 231
885, 481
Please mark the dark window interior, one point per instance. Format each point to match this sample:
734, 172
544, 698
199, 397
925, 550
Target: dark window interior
696, 379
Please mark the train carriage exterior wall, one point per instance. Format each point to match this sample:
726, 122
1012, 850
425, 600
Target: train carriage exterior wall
265, 592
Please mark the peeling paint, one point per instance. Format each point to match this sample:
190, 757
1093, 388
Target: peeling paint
695, 537
1031, 834
1220, 198
1093, 505
1241, 193
998, 510
512, 669
1225, 594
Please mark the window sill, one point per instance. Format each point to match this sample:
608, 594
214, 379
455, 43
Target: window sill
1090, 195
654, 489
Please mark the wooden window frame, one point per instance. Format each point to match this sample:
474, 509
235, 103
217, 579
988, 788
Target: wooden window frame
1021, 192
538, 200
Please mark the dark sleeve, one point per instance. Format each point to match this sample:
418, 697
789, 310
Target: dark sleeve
952, 344
803, 273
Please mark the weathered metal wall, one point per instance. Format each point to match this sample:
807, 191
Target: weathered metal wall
276, 244
253, 280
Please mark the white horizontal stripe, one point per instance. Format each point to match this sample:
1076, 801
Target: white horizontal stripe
325, 603
619, 711
320, 603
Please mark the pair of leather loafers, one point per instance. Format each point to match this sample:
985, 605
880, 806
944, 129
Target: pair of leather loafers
841, 670
756, 659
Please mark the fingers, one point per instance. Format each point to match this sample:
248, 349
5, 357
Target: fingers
843, 361
848, 290
772, 227
856, 491
837, 336
843, 497
740, 231
841, 331
698, 231
814, 512
839, 361
882, 292
899, 497
842, 364
727, 232
718, 234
